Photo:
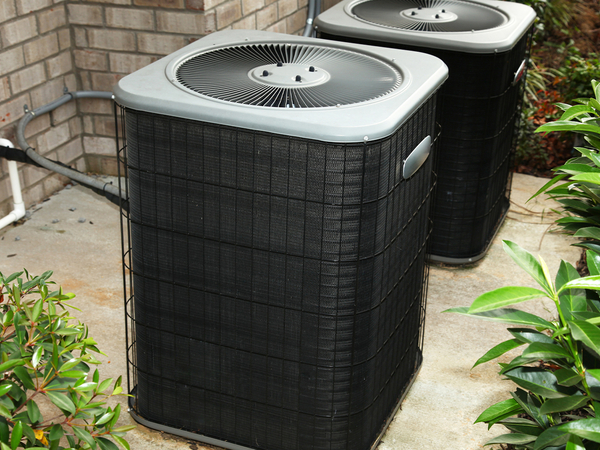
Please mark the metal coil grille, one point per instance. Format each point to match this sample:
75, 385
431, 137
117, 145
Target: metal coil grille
438, 16
280, 76
280, 283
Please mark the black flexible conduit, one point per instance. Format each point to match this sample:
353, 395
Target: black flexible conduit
30, 156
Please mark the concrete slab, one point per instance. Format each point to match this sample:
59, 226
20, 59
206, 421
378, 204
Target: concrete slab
76, 234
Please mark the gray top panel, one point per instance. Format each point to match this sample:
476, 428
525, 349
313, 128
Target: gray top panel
405, 79
480, 26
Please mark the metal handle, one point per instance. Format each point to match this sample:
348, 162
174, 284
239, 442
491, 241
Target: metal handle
520, 72
416, 158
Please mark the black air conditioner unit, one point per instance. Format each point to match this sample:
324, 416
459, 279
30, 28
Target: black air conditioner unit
485, 44
279, 194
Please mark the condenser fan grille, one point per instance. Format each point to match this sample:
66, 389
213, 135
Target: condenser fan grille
429, 15
288, 76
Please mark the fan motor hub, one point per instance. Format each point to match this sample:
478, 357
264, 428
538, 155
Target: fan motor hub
436, 15
289, 75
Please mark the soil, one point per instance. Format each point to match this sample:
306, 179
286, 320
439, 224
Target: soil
585, 33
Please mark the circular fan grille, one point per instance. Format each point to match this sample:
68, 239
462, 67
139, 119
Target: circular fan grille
429, 15
288, 75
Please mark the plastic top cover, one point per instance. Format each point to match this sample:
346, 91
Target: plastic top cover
318, 70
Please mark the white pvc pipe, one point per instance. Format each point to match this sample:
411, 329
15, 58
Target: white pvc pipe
15, 185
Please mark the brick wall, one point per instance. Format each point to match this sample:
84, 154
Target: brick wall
46, 45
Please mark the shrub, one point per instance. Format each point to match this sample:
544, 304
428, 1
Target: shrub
44, 353
558, 390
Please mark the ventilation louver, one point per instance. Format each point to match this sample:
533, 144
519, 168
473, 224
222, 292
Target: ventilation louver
276, 238
485, 45
430, 16
288, 76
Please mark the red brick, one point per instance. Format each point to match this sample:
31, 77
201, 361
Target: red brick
12, 110
287, 7
111, 39
52, 19
196, 5
266, 17
182, 23
249, 6
159, 44
4, 89
279, 27
247, 23
131, 19
128, 63
7, 10
11, 60
41, 48
177, 4
105, 81
18, 31
228, 13
90, 59
85, 14
296, 22
28, 77
29, 6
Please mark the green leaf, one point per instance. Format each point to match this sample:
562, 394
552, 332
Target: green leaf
548, 185
520, 425
539, 381
104, 385
531, 406
62, 401
567, 125
528, 335
17, 434
585, 428
73, 374
576, 111
574, 443
122, 442
555, 405
105, 444
552, 436
23, 374
571, 299
512, 438
105, 418
4, 433
591, 282
499, 411
504, 296
5, 412
593, 178
33, 412
84, 387
545, 351
588, 232
37, 356
5, 388
8, 365
507, 315
84, 435
37, 309
69, 364
567, 377
587, 333
56, 432
68, 331
527, 262
498, 350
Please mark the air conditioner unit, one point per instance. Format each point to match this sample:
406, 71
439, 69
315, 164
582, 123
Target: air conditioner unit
485, 44
279, 194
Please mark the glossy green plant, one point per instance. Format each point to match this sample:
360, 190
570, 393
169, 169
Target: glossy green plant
46, 353
558, 394
576, 185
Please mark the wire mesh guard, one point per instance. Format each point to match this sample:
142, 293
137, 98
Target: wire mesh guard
479, 114
279, 282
